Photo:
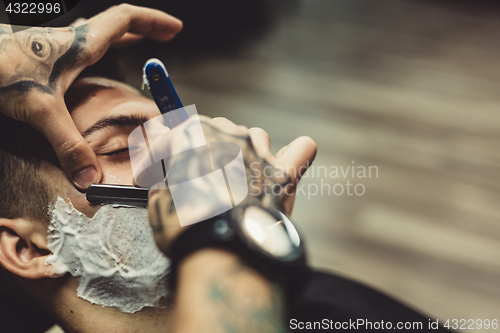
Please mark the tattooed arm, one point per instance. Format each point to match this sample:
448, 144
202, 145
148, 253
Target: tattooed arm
38, 65
216, 292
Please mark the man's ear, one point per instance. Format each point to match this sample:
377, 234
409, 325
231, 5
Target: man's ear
23, 248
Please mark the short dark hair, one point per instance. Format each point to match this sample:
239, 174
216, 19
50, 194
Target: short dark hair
23, 194
23, 191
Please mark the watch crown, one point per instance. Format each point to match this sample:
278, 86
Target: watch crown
221, 228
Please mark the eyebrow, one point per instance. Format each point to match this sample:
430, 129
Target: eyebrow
115, 121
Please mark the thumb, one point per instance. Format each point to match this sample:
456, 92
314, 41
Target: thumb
76, 156
297, 157
163, 217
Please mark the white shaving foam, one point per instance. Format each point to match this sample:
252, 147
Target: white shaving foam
113, 255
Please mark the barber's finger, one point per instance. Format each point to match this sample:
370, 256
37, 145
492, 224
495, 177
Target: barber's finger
156, 219
281, 151
78, 22
77, 158
261, 142
127, 40
297, 157
163, 218
227, 126
109, 26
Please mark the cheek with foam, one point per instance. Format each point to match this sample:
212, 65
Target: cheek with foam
113, 255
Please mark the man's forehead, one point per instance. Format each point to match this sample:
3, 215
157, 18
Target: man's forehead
82, 90
105, 83
92, 100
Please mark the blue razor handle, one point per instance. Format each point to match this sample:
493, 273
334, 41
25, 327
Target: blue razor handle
163, 92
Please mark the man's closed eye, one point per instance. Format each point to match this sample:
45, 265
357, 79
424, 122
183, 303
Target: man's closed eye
117, 152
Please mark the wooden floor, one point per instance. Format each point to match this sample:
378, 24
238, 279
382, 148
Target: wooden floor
410, 87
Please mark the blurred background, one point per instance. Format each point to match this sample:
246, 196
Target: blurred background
409, 87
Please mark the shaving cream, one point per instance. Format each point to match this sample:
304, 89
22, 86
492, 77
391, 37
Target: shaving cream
113, 255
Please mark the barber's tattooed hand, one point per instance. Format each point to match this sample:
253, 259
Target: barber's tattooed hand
216, 291
272, 179
33, 62
38, 65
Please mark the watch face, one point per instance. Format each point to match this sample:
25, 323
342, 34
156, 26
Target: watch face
271, 232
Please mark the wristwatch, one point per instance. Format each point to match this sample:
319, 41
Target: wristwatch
264, 238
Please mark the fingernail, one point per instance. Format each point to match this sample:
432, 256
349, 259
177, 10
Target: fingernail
152, 192
85, 177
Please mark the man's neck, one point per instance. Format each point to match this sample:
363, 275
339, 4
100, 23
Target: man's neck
77, 315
